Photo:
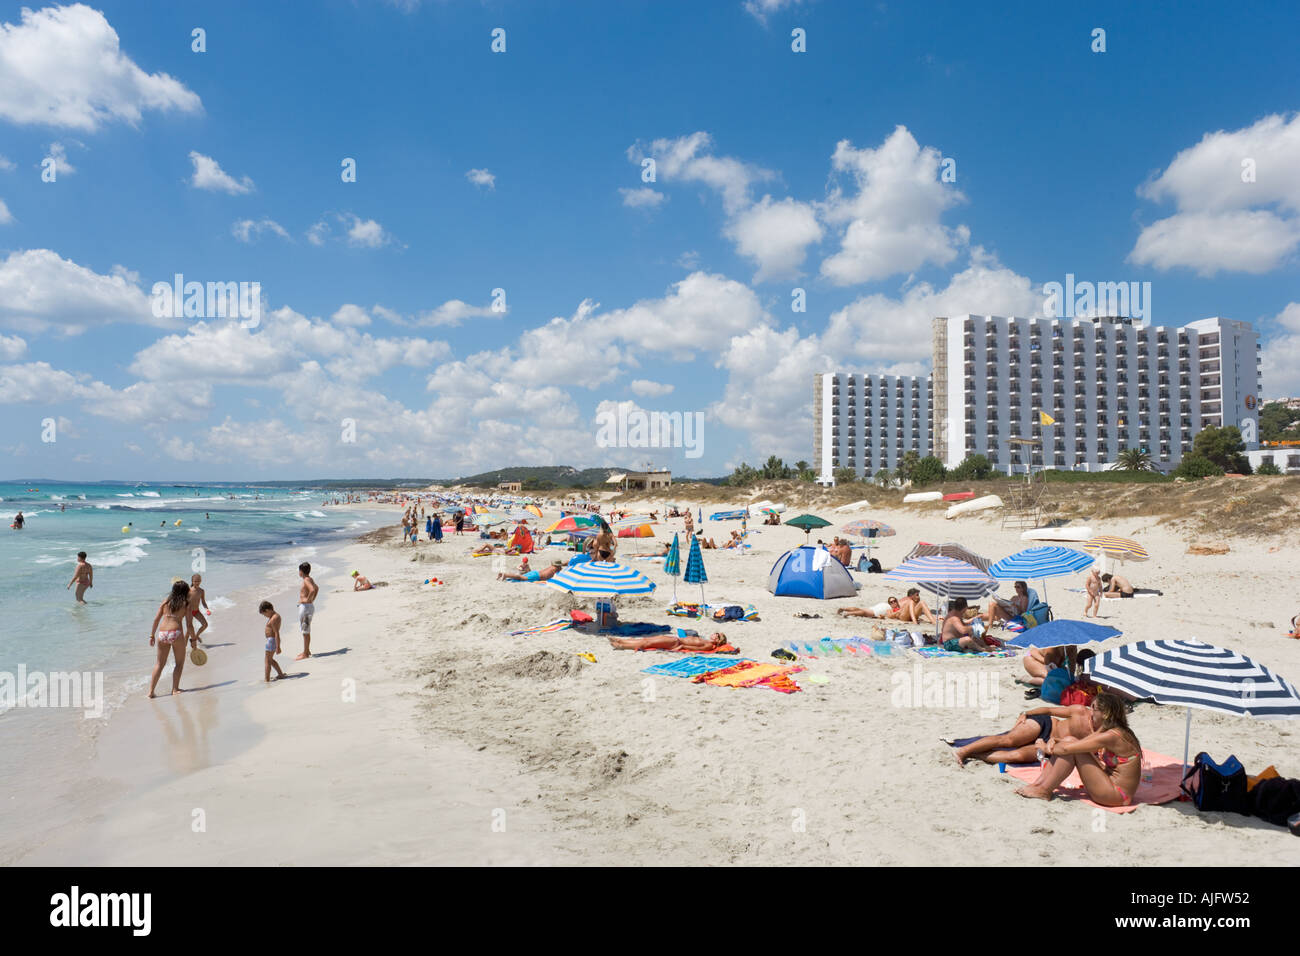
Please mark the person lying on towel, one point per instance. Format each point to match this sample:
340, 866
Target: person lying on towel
888, 608
526, 573
687, 641
1109, 759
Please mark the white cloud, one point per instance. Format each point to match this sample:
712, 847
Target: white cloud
643, 198
776, 235
760, 10
59, 154
318, 233
689, 159
891, 224
11, 347
250, 230
454, 312
350, 314
648, 389
1280, 363
366, 232
7, 164
63, 66
1237, 195
482, 177
208, 174
41, 290
880, 332
6, 216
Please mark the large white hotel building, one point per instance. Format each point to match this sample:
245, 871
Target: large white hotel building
1108, 384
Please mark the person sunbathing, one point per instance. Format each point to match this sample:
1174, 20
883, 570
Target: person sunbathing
1031, 731
1000, 612
957, 634
526, 573
888, 608
737, 539
1040, 660
686, 641
914, 610
488, 549
1295, 627
707, 543
360, 582
1117, 586
1108, 759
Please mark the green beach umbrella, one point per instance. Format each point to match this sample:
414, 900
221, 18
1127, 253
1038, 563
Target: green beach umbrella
807, 523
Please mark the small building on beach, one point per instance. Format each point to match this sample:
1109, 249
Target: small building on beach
641, 480
510, 487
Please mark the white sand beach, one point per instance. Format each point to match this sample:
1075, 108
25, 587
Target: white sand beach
422, 733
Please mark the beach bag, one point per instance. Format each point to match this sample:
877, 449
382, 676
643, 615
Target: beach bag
1214, 786
732, 612
1077, 695
1054, 685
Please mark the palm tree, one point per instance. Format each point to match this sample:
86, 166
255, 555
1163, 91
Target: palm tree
1134, 459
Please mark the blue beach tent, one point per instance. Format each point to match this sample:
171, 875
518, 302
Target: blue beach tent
810, 572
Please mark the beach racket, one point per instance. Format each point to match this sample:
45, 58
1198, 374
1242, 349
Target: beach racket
198, 656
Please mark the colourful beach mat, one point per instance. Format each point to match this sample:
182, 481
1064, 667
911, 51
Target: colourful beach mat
753, 674
689, 666
1166, 775
559, 624
940, 652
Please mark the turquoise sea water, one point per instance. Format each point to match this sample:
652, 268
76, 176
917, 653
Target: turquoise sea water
239, 536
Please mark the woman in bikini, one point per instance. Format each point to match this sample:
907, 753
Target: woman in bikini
1109, 759
685, 641
168, 634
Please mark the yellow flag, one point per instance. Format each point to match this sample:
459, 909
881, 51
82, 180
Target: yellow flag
1045, 419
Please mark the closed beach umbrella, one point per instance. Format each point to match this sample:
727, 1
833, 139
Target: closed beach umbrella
673, 564
1063, 633
1045, 562
695, 573
534, 510
601, 578
1194, 674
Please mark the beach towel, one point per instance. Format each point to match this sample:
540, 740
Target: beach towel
636, 629
559, 624
1166, 775
753, 674
940, 652
686, 609
687, 666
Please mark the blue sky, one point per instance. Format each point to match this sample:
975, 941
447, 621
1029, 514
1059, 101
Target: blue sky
521, 171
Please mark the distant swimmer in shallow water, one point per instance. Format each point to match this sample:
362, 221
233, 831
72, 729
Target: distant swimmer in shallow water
83, 576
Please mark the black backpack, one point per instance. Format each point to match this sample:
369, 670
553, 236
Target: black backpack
1214, 786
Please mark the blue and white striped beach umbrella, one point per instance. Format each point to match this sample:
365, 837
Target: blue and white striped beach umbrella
1193, 674
1046, 562
601, 578
695, 573
946, 577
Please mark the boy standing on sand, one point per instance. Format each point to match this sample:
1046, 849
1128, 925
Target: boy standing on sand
83, 577
272, 639
1093, 587
306, 608
198, 597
